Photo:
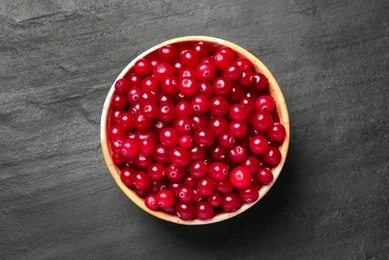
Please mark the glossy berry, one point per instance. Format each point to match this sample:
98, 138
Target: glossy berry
179, 156
188, 86
227, 50
122, 86
218, 153
218, 171
149, 110
215, 199
249, 194
227, 140
248, 103
231, 202
143, 161
135, 80
205, 88
185, 193
238, 112
222, 86
119, 101
204, 210
252, 164
161, 153
246, 79
174, 172
262, 121
197, 153
222, 60
130, 148
204, 137
169, 85
236, 94
141, 180
143, 67
219, 106
276, 132
166, 112
190, 181
199, 121
133, 94
201, 49
205, 71
183, 125
156, 171
167, 53
126, 176
198, 169
244, 63
126, 121
165, 198
238, 128
258, 144
224, 187
189, 59
265, 103
260, 81
232, 72
169, 137
265, 175
141, 122
200, 104
272, 155
237, 154
240, 177
183, 108
186, 141
185, 210
146, 147
219, 126
151, 202
163, 70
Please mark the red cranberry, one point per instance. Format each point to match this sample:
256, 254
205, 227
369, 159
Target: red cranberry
218, 153
265, 176
190, 181
179, 156
240, 177
183, 125
165, 198
184, 108
200, 104
238, 112
166, 112
236, 94
246, 79
114, 116
218, 171
174, 172
169, 85
227, 50
219, 126
156, 171
249, 194
119, 101
215, 199
135, 80
141, 122
185, 210
265, 103
143, 67
134, 94
164, 98
205, 71
186, 141
197, 153
169, 137
224, 187
219, 106
122, 86
167, 53
227, 140
199, 121
141, 180
201, 49
189, 58
232, 72
198, 169
272, 155
277, 132
238, 128
130, 148
206, 89
244, 63
222, 60
248, 103
143, 161
262, 121
260, 81
222, 86
126, 120
252, 164
163, 70
126, 176
204, 210
258, 144
151, 202
204, 137
161, 153
188, 86
237, 154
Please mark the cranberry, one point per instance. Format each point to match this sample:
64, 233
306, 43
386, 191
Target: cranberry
185, 210
143, 67
232, 72
258, 144
169, 85
116, 146
240, 177
122, 86
149, 110
248, 103
197, 153
201, 49
227, 50
265, 103
143, 161
175, 172
151, 84
119, 101
238, 112
169, 137
163, 99
134, 94
114, 116
231, 202
179, 156
130, 148
218, 153
205, 71
205, 88
177, 68
222, 60
222, 86
225, 186
165, 198
126, 121
204, 210
246, 79
204, 137
219, 106
161, 153
135, 80
215, 199
252, 164
126, 176
199, 121
141, 122
262, 121
260, 81
186, 141
265, 176
118, 159
219, 126
151, 202
154, 62
167, 53
141, 180
156, 171
276, 132
189, 58
227, 140
163, 70
188, 86
236, 94
161, 184
237, 154
238, 128
272, 155
200, 104
244, 63
184, 108
218, 171
183, 125
166, 112
186, 194
146, 147
249, 194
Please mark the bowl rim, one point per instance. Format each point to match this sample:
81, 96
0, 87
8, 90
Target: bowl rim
281, 109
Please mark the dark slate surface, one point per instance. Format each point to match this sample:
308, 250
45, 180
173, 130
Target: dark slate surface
57, 62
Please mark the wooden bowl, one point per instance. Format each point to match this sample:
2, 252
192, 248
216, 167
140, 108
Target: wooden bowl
274, 91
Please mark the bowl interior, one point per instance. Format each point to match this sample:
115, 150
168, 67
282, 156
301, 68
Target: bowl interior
274, 91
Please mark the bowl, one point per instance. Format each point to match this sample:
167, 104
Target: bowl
273, 89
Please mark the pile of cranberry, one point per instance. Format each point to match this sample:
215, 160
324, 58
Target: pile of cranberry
194, 130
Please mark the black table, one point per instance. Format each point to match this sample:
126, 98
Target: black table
57, 62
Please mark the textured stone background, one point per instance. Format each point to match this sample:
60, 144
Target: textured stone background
57, 61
